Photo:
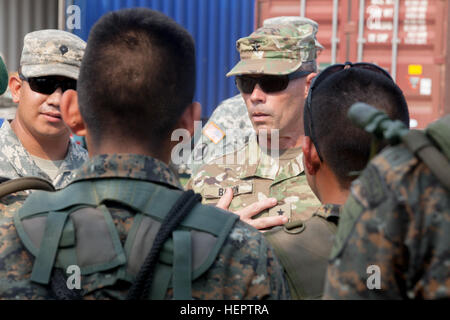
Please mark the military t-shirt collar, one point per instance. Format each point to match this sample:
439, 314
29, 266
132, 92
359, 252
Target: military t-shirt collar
131, 166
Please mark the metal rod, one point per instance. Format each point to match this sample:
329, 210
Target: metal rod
61, 14
395, 41
361, 40
334, 39
302, 8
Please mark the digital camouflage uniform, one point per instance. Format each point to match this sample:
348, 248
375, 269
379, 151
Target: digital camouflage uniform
303, 249
45, 53
397, 218
229, 127
16, 162
256, 176
276, 49
245, 266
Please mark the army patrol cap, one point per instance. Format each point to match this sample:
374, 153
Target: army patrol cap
296, 21
3, 77
276, 50
52, 53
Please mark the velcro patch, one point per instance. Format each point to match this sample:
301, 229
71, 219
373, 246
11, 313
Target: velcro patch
281, 210
213, 192
213, 132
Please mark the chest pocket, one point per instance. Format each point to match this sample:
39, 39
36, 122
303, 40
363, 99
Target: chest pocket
216, 192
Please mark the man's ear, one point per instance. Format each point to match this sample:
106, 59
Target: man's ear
309, 79
15, 85
310, 156
70, 112
192, 113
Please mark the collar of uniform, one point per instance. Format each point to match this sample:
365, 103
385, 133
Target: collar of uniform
328, 211
260, 164
132, 166
18, 157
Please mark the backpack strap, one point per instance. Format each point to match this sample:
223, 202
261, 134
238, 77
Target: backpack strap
24, 183
421, 146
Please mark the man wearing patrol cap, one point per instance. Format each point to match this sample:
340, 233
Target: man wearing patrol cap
277, 65
36, 142
229, 127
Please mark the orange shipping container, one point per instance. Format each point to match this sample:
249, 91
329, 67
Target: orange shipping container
409, 38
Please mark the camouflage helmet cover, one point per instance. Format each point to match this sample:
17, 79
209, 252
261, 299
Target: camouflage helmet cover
275, 49
52, 52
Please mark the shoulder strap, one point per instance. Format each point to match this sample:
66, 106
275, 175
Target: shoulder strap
421, 146
24, 183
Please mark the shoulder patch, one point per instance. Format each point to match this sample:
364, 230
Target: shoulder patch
213, 132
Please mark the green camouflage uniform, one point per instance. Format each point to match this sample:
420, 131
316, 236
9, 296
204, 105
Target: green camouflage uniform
45, 53
16, 162
397, 218
245, 267
304, 248
276, 49
249, 182
229, 127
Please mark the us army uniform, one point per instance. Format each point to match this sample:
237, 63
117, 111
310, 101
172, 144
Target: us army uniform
15, 161
45, 53
117, 190
229, 127
394, 233
261, 175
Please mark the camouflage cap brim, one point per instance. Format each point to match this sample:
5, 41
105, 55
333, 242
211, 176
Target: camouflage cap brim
265, 66
3, 77
57, 69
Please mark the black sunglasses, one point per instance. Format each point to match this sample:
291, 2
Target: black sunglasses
49, 84
268, 83
309, 127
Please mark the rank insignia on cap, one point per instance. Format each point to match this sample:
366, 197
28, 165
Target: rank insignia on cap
63, 49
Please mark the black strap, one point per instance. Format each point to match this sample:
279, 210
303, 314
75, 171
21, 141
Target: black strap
24, 183
141, 287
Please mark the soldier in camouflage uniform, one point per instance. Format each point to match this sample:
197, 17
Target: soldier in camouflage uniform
394, 235
304, 247
36, 142
229, 127
124, 192
277, 54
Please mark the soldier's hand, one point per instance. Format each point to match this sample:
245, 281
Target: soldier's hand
248, 212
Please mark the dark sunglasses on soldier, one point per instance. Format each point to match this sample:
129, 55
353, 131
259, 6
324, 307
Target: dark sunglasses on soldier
49, 84
309, 127
268, 83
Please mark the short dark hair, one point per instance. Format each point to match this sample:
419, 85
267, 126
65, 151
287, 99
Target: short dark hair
137, 75
343, 146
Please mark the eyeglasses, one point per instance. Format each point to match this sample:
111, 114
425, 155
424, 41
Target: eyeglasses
49, 84
309, 127
268, 83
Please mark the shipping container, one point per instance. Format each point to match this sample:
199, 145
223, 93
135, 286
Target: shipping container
214, 24
409, 38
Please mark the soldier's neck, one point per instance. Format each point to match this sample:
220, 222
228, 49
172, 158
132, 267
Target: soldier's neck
283, 143
49, 148
328, 187
115, 146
